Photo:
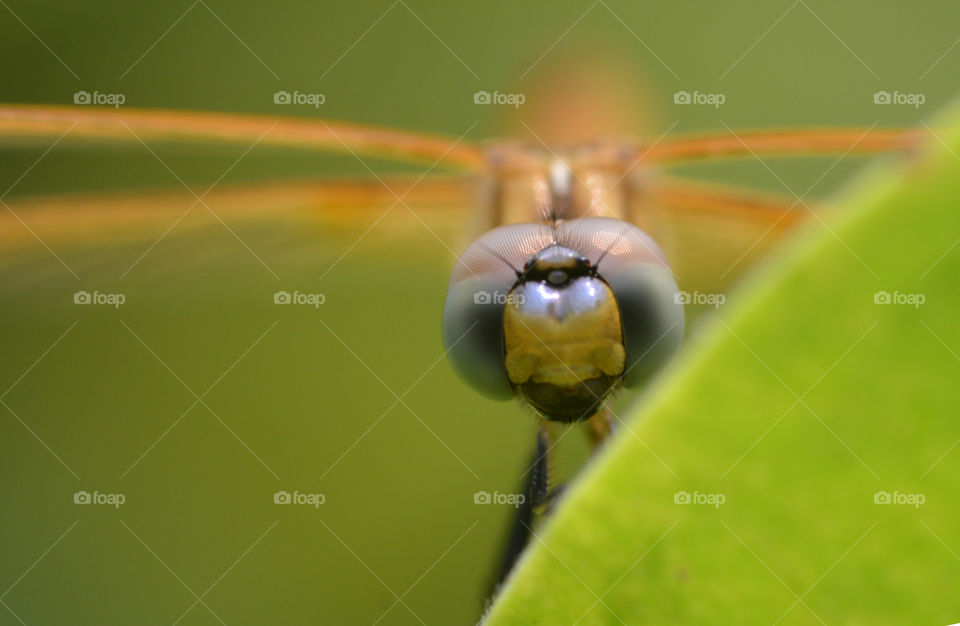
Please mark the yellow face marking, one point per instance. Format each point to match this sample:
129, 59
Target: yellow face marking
581, 346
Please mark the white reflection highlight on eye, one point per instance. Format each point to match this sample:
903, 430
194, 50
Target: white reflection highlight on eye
547, 293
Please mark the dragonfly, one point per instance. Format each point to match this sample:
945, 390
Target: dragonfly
584, 257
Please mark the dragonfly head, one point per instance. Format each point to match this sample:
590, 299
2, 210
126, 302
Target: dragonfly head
561, 314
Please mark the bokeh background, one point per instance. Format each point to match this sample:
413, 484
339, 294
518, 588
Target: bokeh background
297, 398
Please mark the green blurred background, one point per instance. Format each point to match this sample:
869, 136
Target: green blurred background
306, 399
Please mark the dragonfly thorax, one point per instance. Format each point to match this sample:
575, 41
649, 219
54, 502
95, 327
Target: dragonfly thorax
530, 184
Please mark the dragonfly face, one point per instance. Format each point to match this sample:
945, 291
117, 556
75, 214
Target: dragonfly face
561, 313
563, 342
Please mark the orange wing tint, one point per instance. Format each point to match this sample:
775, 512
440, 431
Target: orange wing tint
784, 142
114, 216
330, 135
682, 195
317, 134
711, 234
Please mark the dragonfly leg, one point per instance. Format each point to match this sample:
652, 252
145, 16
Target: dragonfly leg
535, 495
600, 427
539, 495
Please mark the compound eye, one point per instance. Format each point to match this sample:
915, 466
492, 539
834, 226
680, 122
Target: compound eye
634, 267
476, 297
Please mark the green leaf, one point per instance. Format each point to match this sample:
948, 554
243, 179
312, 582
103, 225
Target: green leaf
804, 405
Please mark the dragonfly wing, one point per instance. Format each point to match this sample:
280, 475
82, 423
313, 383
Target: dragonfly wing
779, 142
712, 234
441, 202
18, 122
335, 216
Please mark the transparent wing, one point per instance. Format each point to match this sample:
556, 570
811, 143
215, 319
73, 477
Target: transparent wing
131, 125
439, 203
712, 234
778, 142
